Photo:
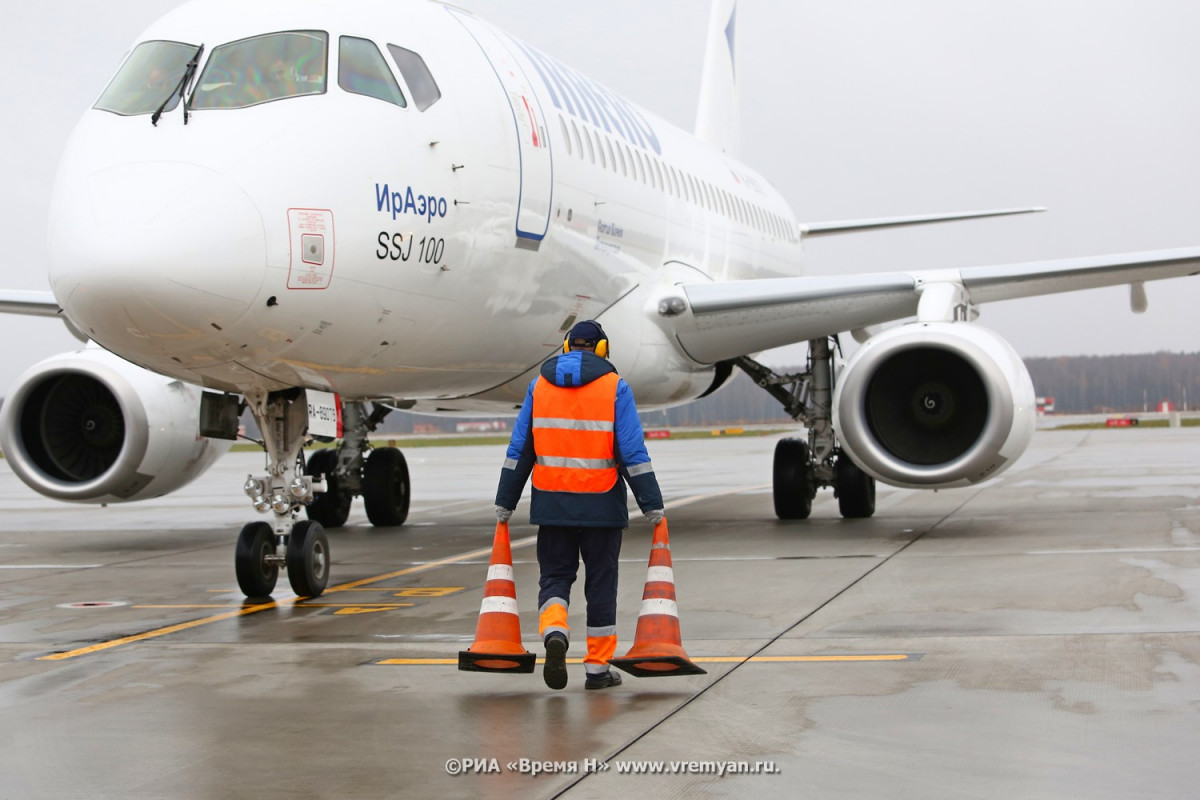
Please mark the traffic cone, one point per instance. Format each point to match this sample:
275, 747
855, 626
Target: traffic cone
657, 650
497, 646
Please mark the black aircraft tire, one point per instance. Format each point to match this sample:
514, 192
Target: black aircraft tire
855, 490
386, 487
331, 508
256, 577
792, 485
308, 559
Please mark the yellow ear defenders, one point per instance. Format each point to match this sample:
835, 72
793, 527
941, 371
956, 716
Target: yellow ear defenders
601, 347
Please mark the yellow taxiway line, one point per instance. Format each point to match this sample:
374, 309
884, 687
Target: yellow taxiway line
254, 609
424, 662
345, 587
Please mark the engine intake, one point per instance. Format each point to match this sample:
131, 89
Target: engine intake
932, 405
72, 427
90, 427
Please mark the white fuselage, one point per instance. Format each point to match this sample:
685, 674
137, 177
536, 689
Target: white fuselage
339, 242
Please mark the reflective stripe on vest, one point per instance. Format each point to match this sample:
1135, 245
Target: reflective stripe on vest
573, 436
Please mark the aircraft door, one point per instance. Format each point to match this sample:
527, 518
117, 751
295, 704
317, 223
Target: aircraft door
533, 141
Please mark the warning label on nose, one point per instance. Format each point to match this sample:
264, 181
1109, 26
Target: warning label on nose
311, 236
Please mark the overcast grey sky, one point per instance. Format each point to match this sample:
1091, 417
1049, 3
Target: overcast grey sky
858, 108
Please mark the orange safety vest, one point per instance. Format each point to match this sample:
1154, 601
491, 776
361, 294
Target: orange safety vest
573, 436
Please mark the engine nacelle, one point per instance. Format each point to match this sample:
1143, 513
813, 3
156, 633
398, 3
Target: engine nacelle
933, 405
89, 427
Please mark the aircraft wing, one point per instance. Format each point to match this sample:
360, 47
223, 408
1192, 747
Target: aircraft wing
721, 320
34, 304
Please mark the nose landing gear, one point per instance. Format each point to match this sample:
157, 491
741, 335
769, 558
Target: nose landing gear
325, 488
263, 547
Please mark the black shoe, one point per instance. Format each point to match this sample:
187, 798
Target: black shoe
603, 680
555, 670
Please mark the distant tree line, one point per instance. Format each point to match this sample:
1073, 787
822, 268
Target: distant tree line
740, 402
1078, 384
1082, 384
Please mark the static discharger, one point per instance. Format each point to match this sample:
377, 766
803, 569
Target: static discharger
657, 648
497, 646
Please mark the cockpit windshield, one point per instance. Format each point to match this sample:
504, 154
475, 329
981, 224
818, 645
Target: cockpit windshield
261, 69
147, 78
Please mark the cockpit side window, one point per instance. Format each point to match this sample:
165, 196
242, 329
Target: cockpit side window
147, 78
362, 70
263, 68
420, 80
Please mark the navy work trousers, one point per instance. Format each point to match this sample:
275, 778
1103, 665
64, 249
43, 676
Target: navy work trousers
559, 549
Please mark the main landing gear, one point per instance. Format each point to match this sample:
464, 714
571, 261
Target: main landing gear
325, 486
802, 467
380, 477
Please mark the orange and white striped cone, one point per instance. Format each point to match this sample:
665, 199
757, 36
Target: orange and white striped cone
657, 648
497, 646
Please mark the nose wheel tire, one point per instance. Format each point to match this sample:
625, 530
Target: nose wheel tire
793, 484
331, 508
308, 559
256, 576
385, 489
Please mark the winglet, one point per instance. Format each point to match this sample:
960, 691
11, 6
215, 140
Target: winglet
717, 115
852, 225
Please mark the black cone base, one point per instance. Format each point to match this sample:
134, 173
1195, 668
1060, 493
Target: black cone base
486, 662
656, 666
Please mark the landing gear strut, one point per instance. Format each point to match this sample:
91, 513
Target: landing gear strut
263, 547
325, 487
380, 476
802, 467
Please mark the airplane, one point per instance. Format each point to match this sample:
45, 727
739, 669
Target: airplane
322, 212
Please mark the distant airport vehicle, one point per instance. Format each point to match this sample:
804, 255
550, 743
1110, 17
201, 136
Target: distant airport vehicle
324, 211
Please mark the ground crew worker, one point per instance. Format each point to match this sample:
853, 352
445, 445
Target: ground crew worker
579, 436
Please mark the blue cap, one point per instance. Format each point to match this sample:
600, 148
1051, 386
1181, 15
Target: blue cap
586, 334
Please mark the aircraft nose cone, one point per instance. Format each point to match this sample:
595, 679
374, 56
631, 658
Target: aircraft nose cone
164, 254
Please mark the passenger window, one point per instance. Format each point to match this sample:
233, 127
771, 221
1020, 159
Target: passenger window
566, 133
575, 135
362, 70
147, 78
420, 80
263, 68
591, 147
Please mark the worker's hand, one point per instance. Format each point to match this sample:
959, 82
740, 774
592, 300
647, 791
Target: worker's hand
502, 513
655, 516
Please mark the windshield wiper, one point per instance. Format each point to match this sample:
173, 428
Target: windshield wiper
180, 89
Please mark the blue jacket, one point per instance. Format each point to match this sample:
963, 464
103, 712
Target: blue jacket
600, 510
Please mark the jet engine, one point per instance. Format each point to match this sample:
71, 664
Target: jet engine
933, 405
89, 427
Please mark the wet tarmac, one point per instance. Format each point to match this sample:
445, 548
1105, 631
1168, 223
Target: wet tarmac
1035, 637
